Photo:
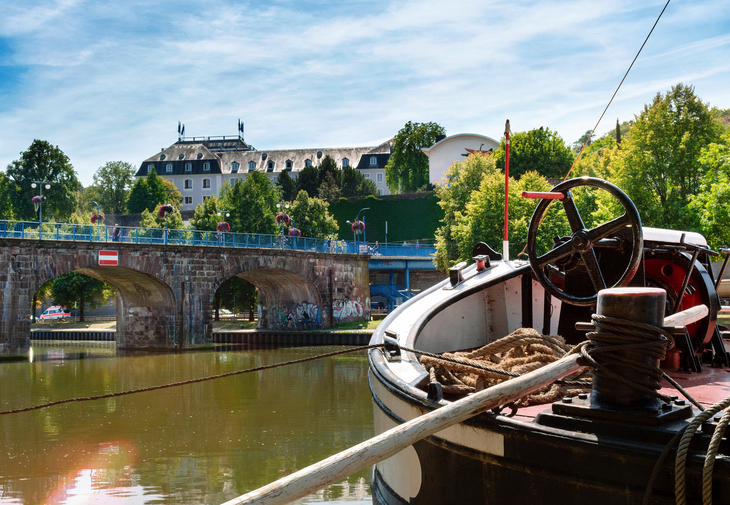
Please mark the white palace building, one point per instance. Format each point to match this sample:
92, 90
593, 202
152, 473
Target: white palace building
198, 166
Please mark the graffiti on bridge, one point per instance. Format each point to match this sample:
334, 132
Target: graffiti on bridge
347, 310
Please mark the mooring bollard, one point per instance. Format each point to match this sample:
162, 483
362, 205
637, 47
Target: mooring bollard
640, 305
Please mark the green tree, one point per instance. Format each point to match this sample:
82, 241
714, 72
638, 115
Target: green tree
206, 214
148, 193
252, 204
6, 205
329, 167
407, 169
658, 165
461, 180
40, 296
712, 201
312, 217
483, 218
74, 287
114, 181
578, 144
329, 189
152, 219
356, 184
43, 162
308, 180
286, 185
539, 150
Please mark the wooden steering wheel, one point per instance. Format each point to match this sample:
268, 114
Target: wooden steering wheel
581, 244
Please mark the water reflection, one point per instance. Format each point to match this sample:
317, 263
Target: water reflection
205, 442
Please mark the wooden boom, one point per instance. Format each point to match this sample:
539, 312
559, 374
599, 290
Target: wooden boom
349, 461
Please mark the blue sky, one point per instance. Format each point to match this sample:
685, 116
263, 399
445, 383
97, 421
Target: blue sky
109, 81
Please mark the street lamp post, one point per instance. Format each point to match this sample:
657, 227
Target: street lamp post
358, 219
40, 185
282, 220
223, 213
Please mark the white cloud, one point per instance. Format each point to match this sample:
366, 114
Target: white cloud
110, 82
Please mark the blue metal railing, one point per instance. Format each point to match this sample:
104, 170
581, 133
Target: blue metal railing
390, 291
103, 233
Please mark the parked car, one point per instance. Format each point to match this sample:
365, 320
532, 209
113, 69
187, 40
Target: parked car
55, 312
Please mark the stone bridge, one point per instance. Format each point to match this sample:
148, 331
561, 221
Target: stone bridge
165, 293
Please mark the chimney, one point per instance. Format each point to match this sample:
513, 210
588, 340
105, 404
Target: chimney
439, 138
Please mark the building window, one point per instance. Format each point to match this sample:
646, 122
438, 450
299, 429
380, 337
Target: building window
150, 168
307, 162
289, 164
367, 176
188, 184
180, 156
188, 200
188, 167
373, 161
319, 154
200, 155
206, 183
345, 162
162, 157
205, 198
234, 167
168, 168
251, 166
380, 177
206, 166
270, 166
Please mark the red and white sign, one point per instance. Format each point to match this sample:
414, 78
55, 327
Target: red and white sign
109, 258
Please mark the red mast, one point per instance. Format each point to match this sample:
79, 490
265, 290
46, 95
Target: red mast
505, 244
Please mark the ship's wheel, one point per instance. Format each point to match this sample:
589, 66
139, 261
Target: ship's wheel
579, 249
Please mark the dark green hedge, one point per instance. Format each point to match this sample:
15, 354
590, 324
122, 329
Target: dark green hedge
410, 217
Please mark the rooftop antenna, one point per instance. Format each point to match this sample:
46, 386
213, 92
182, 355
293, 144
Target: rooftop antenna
240, 128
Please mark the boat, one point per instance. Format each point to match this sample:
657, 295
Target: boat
602, 445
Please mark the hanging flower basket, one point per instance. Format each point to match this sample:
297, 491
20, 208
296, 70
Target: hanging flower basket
166, 209
97, 217
283, 218
37, 201
295, 232
223, 226
358, 226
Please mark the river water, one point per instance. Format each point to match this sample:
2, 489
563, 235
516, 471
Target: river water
201, 443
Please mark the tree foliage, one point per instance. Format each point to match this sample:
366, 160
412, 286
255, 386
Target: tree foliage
206, 214
308, 180
312, 217
712, 201
658, 166
148, 193
540, 150
43, 162
114, 181
460, 181
77, 288
356, 184
235, 294
407, 169
252, 204
6, 204
286, 185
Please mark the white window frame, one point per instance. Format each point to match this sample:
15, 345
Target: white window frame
367, 176
345, 162
373, 161
188, 184
234, 167
206, 166
206, 183
188, 200
188, 167
380, 177
289, 164
150, 167
270, 165
251, 166
168, 168
307, 163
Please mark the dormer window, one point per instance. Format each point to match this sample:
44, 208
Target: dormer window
234, 167
162, 157
251, 166
270, 166
373, 161
200, 155
289, 164
206, 166
168, 168
188, 167
180, 156
345, 162
319, 154
307, 162
150, 168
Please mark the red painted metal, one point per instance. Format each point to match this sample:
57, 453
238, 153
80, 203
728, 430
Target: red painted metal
545, 195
